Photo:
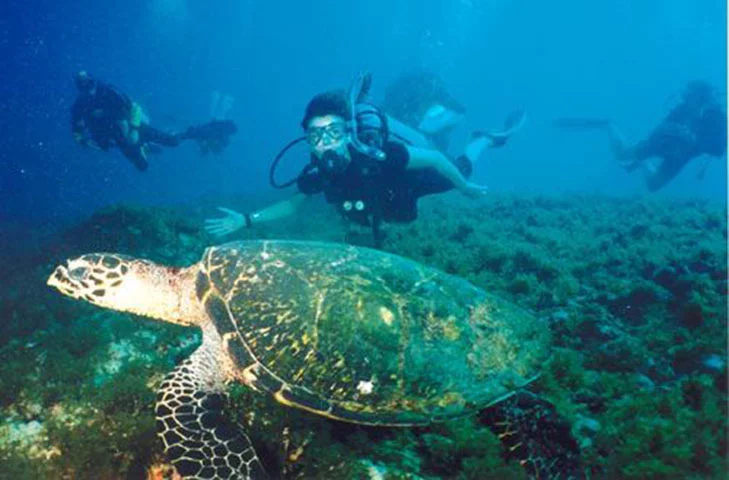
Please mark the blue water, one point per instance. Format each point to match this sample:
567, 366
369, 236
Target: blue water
622, 59
635, 293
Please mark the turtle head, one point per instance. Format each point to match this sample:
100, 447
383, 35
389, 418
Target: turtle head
130, 285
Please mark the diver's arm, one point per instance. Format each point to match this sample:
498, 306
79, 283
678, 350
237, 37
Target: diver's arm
279, 210
233, 221
426, 158
78, 127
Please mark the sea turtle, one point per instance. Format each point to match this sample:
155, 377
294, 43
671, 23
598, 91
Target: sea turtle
345, 332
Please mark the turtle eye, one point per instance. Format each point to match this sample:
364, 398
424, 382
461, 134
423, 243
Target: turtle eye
78, 273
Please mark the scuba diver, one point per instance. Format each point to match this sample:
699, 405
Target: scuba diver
696, 126
421, 112
369, 173
103, 117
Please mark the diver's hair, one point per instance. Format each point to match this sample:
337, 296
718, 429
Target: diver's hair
333, 102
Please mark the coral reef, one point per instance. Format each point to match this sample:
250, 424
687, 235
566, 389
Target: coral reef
633, 290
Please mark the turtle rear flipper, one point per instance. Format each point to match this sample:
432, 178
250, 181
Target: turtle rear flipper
199, 440
534, 434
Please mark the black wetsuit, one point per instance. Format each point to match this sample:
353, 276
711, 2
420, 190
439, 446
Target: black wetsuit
100, 114
691, 129
371, 191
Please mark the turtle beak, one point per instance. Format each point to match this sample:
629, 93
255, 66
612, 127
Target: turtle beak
58, 277
68, 280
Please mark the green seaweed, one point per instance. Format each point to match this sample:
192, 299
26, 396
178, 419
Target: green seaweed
634, 292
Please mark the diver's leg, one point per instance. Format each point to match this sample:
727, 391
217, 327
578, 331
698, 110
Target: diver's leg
481, 140
133, 151
618, 144
657, 178
476, 147
136, 155
406, 133
629, 158
439, 118
149, 134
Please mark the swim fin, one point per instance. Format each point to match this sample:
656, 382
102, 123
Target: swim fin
513, 123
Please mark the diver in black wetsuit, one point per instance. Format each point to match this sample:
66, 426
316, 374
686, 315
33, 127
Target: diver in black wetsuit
696, 126
103, 117
367, 176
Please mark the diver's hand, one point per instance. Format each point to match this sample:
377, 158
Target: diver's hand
85, 141
231, 222
92, 144
474, 190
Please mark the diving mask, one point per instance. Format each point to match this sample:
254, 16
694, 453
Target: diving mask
328, 134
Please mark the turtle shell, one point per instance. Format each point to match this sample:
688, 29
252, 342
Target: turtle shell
362, 335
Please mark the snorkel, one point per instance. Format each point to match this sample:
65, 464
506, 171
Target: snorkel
358, 90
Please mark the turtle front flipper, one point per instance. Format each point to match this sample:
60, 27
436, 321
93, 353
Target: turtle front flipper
534, 434
199, 440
